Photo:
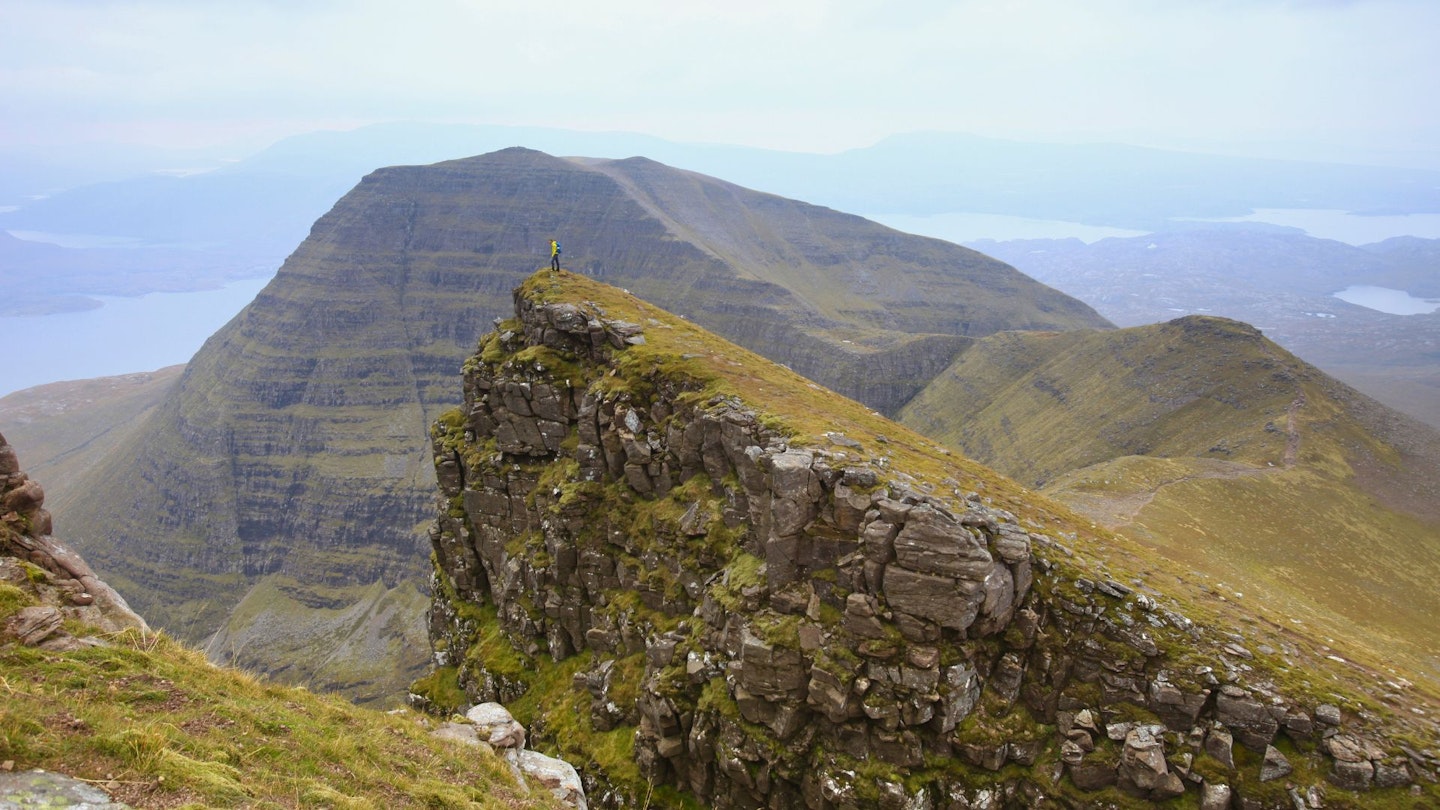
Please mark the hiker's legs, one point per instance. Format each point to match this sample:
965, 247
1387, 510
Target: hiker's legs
555, 262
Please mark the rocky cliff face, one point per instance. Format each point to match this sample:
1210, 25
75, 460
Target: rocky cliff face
710, 579
287, 469
32, 560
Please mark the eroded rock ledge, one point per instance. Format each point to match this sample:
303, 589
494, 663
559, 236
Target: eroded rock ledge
790, 626
31, 559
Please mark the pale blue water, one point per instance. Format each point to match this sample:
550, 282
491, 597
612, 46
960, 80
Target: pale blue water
1384, 299
123, 336
79, 240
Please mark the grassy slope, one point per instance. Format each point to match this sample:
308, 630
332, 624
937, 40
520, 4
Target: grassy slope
1281, 280
354, 640
1040, 405
1213, 447
62, 429
557, 713
154, 724
1414, 390
840, 270
809, 411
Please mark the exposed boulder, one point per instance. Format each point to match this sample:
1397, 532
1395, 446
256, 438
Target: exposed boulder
1220, 745
1248, 719
492, 725
33, 625
1275, 765
45, 789
1215, 796
557, 775
496, 726
1143, 767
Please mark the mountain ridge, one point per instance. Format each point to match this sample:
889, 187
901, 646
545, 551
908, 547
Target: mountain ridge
715, 577
1207, 441
261, 205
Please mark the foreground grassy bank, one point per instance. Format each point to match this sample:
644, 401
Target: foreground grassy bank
156, 725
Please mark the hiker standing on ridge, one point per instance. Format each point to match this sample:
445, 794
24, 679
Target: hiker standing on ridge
554, 254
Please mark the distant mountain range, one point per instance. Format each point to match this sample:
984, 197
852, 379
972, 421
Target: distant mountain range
251, 213
39, 278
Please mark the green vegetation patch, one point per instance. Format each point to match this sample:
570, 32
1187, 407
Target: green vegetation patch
441, 688
12, 599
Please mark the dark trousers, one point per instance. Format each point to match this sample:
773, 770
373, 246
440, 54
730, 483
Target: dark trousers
555, 262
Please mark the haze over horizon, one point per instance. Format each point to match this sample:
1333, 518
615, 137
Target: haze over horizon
1333, 80
106, 90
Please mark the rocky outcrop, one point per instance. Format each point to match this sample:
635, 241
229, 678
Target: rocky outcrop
34, 561
789, 620
492, 727
497, 727
47, 595
53, 790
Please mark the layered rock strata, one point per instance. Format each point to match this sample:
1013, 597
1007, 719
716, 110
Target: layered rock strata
803, 626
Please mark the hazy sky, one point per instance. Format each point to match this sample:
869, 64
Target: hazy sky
1332, 77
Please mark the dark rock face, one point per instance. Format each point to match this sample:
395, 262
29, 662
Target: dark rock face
788, 615
294, 444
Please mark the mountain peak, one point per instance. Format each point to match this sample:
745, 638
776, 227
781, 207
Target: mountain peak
299, 425
512, 154
1214, 326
